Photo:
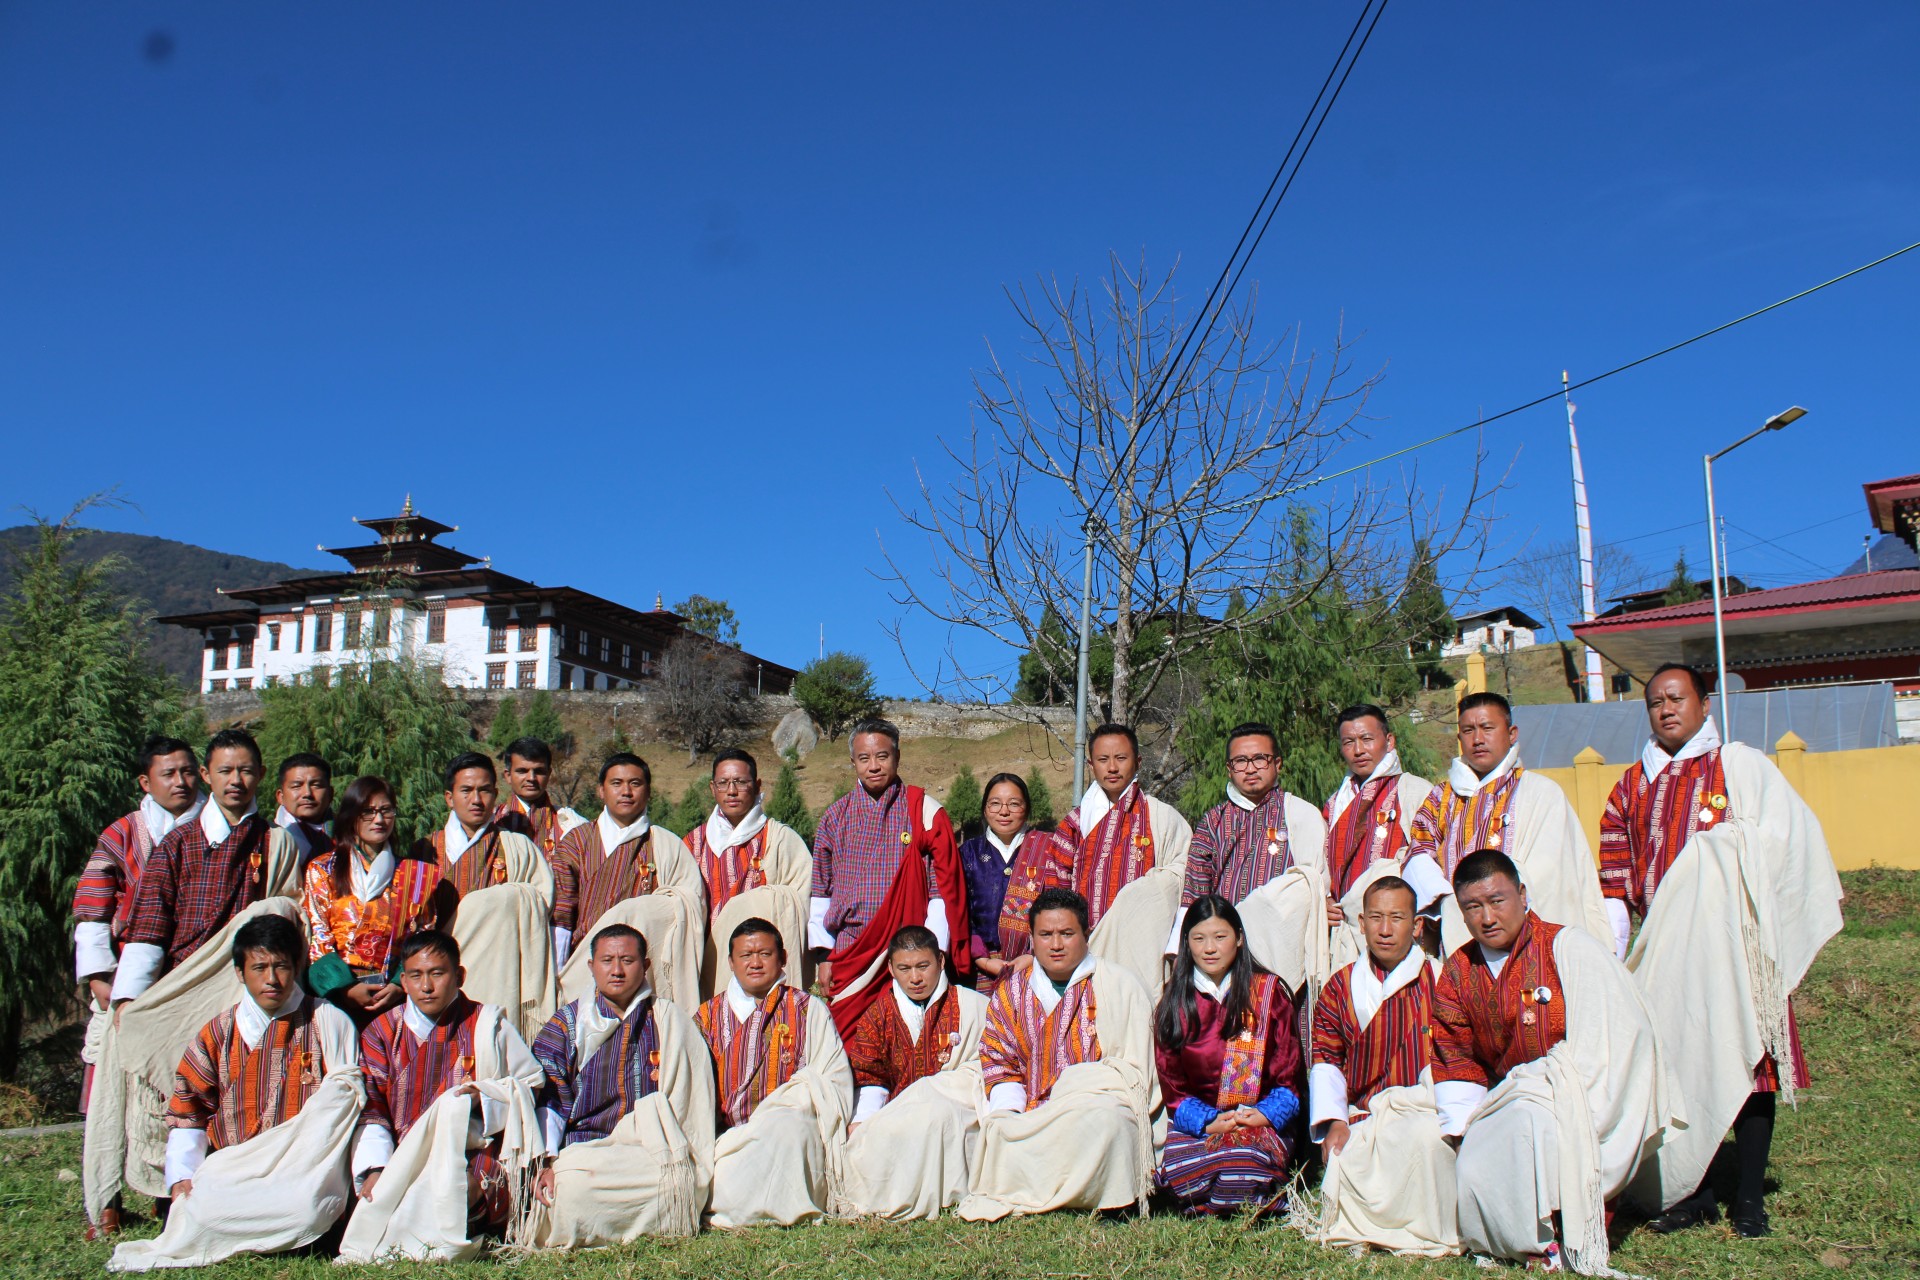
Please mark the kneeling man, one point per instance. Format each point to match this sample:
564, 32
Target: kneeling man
627, 1109
916, 1066
1067, 1062
784, 1086
449, 1130
1389, 1181
1547, 1074
263, 1110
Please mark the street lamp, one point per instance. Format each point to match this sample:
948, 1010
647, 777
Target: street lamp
1777, 421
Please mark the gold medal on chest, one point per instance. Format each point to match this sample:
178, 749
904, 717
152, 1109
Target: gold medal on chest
906, 837
1718, 802
1527, 1018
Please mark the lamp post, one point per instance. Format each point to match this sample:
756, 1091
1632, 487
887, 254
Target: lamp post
1784, 418
1080, 682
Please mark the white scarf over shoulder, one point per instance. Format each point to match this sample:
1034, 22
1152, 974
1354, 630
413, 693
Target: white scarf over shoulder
1370, 991
723, 835
613, 835
594, 1028
1350, 786
1654, 758
1466, 783
160, 823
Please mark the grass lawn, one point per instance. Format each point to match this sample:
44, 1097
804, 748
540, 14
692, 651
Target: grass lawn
1847, 1167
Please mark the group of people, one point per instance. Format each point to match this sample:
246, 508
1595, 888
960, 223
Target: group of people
567, 1032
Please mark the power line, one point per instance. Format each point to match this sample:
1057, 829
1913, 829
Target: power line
1261, 499
1208, 310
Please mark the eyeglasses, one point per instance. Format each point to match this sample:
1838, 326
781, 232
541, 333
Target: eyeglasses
1241, 764
734, 784
383, 811
1006, 806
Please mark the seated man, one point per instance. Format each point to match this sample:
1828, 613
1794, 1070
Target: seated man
916, 1059
1547, 1075
627, 1108
1067, 1061
427, 1063
1389, 1180
784, 1087
265, 1103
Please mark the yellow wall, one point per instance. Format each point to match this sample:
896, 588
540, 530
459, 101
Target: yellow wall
1868, 801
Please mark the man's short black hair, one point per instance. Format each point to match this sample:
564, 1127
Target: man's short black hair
275, 935
1057, 898
234, 740
1483, 864
306, 760
469, 760
617, 931
428, 940
1387, 884
531, 750
753, 926
1111, 730
1487, 699
1252, 729
735, 753
1701, 685
631, 761
158, 748
874, 724
1364, 711
913, 937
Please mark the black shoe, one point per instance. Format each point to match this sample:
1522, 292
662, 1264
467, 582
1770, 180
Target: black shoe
1751, 1223
1688, 1213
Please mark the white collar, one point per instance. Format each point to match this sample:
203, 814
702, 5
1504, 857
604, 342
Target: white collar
253, 1021
1094, 806
740, 1002
159, 822
458, 841
1207, 986
1006, 848
1467, 784
371, 879
417, 1021
214, 823
1388, 765
1042, 985
1496, 960
1654, 759
594, 1028
723, 835
915, 1015
613, 835
1370, 991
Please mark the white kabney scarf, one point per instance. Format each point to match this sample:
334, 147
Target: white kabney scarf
1350, 786
1007, 848
593, 1028
160, 823
915, 1015
371, 878
1094, 807
613, 835
1371, 991
285, 820
1654, 759
723, 835
458, 841
1466, 784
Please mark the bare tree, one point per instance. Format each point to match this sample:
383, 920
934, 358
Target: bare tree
704, 699
1180, 469
1545, 581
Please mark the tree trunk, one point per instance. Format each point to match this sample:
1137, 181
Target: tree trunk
10, 1032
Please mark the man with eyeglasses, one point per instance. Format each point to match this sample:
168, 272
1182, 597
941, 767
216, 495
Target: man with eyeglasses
1120, 849
1247, 843
752, 866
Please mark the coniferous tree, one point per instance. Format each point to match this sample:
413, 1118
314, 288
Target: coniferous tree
786, 805
506, 725
78, 694
692, 809
539, 719
1681, 588
963, 802
1425, 618
836, 691
1039, 800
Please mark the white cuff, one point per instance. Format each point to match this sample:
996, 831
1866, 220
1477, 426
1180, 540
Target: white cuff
1456, 1101
1326, 1099
867, 1106
554, 1126
1008, 1095
92, 949
139, 967
1173, 938
937, 921
491, 1115
1428, 880
186, 1152
372, 1148
817, 935
562, 947
1622, 926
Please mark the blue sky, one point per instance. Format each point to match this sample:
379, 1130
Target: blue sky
662, 299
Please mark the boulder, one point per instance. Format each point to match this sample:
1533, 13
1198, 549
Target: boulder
795, 733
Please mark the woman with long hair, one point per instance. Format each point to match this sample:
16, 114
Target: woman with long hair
987, 860
1229, 1058
363, 899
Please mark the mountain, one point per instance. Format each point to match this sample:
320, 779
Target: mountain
166, 577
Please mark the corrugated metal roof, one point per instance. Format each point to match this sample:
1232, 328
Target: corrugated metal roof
1880, 584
